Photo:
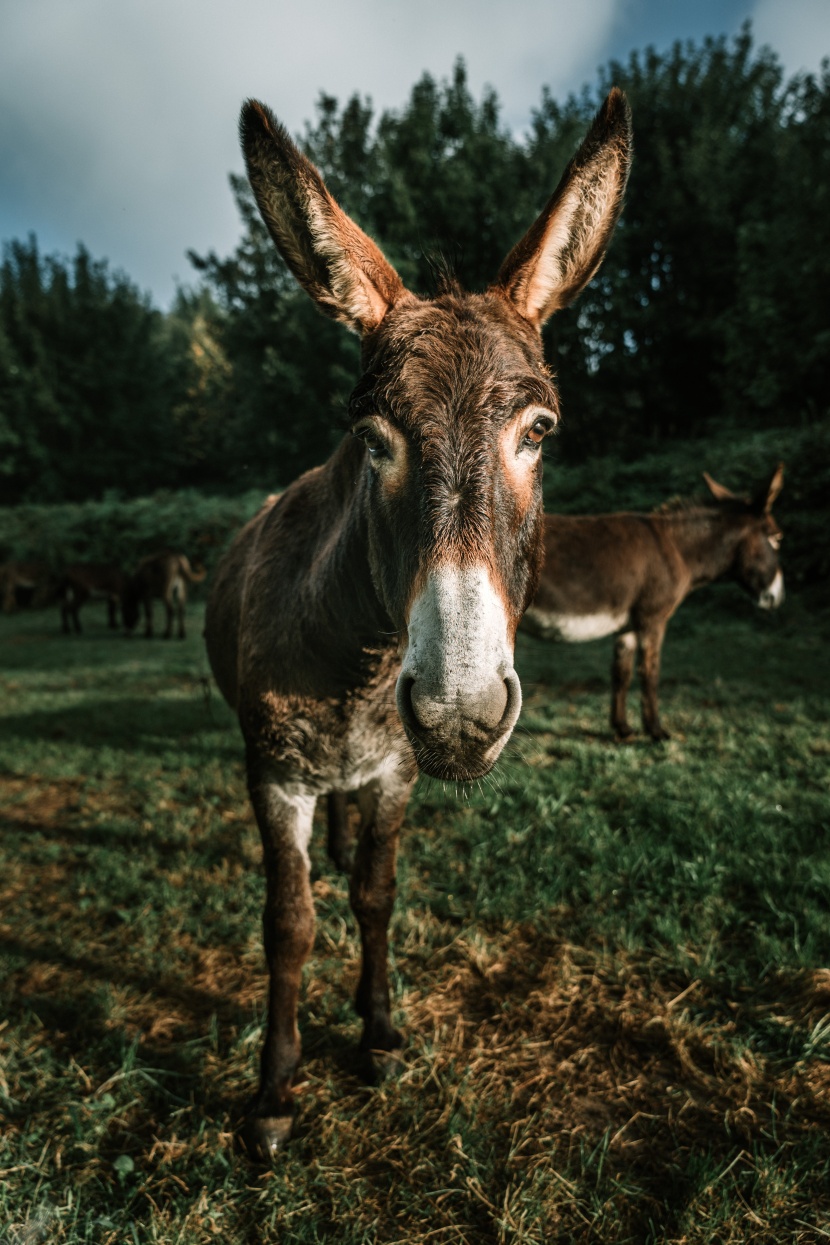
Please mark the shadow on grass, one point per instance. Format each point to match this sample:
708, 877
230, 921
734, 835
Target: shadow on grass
114, 835
139, 724
170, 1015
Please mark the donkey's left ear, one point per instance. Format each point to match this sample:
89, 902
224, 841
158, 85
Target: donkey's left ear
719, 491
560, 253
763, 501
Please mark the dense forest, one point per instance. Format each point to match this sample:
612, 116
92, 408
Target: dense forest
710, 310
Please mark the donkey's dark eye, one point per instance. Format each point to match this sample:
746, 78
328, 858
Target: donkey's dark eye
374, 444
534, 436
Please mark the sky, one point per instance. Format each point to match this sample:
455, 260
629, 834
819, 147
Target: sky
118, 117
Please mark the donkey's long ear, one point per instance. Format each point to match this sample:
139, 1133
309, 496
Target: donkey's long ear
765, 497
341, 268
719, 491
563, 249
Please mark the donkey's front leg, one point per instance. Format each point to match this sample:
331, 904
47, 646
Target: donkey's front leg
372, 895
651, 642
288, 927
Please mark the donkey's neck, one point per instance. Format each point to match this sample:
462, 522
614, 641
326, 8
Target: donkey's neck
707, 539
343, 616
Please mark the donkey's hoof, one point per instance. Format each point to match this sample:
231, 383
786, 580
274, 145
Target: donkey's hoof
343, 861
383, 1066
623, 733
264, 1136
660, 735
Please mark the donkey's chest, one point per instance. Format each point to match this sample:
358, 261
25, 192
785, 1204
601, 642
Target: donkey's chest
330, 743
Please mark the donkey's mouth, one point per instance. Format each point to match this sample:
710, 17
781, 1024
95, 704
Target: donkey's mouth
453, 744
435, 763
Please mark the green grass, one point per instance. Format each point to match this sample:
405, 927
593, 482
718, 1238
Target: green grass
611, 962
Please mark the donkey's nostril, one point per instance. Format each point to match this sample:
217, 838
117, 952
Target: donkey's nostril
491, 704
512, 700
404, 698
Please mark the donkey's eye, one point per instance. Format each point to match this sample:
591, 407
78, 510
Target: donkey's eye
535, 435
374, 444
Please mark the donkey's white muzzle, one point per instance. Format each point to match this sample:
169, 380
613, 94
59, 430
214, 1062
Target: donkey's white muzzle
772, 596
458, 694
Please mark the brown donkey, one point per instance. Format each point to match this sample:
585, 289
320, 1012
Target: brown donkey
25, 584
90, 581
362, 624
628, 573
163, 576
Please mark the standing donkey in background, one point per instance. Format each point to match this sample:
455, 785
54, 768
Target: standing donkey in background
362, 625
628, 573
162, 576
85, 581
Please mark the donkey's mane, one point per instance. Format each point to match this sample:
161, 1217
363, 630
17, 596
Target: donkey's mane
681, 505
699, 505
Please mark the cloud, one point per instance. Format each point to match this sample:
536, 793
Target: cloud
118, 120
798, 30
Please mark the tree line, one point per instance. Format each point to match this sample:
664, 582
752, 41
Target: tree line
711, 307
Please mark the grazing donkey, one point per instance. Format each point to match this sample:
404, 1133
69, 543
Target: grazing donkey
164, 576
628, 573
362, 624
90, 581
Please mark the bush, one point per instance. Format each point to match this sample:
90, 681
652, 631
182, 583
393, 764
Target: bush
123, 531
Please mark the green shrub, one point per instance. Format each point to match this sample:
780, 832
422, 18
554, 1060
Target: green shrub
123, 531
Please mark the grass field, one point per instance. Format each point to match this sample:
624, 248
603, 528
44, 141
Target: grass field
611, 962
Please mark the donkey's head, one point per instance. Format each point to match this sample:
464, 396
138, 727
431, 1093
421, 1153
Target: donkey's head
756, 565
452, 407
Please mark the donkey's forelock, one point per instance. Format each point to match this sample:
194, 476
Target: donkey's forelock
434, 362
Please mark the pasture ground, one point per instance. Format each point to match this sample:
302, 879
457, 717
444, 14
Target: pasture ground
611, 962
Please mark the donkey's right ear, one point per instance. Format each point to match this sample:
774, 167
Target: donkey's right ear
560, 253
333, 259
765, 497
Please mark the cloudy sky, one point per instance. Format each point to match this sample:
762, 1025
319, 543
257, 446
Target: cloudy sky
118, 117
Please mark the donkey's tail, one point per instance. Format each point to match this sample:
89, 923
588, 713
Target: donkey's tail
195, 576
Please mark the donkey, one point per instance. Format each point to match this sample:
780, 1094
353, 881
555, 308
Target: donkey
362, 624
628, 573
165, 576
90, 581
25, 584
